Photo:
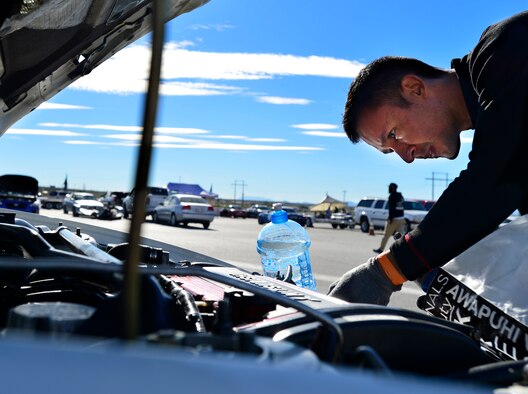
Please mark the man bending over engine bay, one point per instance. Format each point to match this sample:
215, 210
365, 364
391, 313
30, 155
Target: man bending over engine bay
405, 106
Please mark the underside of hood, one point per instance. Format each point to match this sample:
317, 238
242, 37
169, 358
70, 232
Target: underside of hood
45, 45
21, 184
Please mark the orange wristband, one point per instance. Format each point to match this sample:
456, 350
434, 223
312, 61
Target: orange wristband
390, 270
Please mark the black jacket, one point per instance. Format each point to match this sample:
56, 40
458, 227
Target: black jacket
395, 205
494, 80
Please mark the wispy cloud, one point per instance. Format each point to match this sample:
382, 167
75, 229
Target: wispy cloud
217, 27
127, 71
282, 100
42, 132
315, 126
47, 105
80, 142
319, 133
133, 141
136, 129
164, 138
240, 147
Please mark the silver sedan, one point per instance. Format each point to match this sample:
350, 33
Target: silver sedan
184, 209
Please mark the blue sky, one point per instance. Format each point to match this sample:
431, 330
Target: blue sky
253, 93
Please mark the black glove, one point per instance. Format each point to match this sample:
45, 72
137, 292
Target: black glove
364, 284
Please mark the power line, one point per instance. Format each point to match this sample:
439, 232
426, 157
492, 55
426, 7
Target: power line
242, 184
435, 179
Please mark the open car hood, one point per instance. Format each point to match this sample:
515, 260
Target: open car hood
19, 184
46, 45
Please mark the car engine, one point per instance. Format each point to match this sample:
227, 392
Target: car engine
63, 284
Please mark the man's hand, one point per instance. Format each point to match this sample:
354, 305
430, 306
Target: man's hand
364, 284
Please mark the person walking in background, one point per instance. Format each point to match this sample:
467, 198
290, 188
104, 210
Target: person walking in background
395, 221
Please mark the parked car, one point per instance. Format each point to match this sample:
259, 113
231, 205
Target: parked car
184, 209
428, 204
373, 212
255, 210
233, 211
52, 199
155, 196
113, 198
265, 217
82, 204
342, 220
19, 192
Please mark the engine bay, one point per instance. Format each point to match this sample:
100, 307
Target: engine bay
63, 284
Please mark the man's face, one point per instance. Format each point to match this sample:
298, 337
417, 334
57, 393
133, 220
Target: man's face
423, 130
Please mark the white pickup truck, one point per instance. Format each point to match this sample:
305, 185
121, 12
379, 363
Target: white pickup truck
374, 212
155, 196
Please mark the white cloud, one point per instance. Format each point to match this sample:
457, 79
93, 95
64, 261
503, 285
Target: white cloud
217, 27
243, 147
136, 129
266, 139
93, 126
315, 126
53, 133
195, 89
77, 142
47, 105
318, 133
282, 100
127, 71
172, 142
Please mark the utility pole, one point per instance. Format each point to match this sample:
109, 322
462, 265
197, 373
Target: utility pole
434, 179
242, 184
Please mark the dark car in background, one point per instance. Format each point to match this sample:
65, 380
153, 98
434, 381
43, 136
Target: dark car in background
19, 192
233, 211
293, 214
255, 210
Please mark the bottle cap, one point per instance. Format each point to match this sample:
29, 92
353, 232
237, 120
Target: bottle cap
278, 215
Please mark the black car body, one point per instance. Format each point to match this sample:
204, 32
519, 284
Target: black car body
264, 217
255, 210
125, 314
233, 211
19, 192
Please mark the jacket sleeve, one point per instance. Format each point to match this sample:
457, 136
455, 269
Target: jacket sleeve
392, 206
495, 181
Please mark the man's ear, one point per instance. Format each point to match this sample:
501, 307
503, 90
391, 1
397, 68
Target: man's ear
412, 87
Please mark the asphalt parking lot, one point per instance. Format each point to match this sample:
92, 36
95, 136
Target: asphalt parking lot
333, 251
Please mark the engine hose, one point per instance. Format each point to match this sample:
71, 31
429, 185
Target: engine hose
186, 300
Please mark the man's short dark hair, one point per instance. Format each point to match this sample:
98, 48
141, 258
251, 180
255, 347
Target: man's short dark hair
393, 186
379, 83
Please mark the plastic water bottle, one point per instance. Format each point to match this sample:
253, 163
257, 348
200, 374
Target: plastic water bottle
282, 243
